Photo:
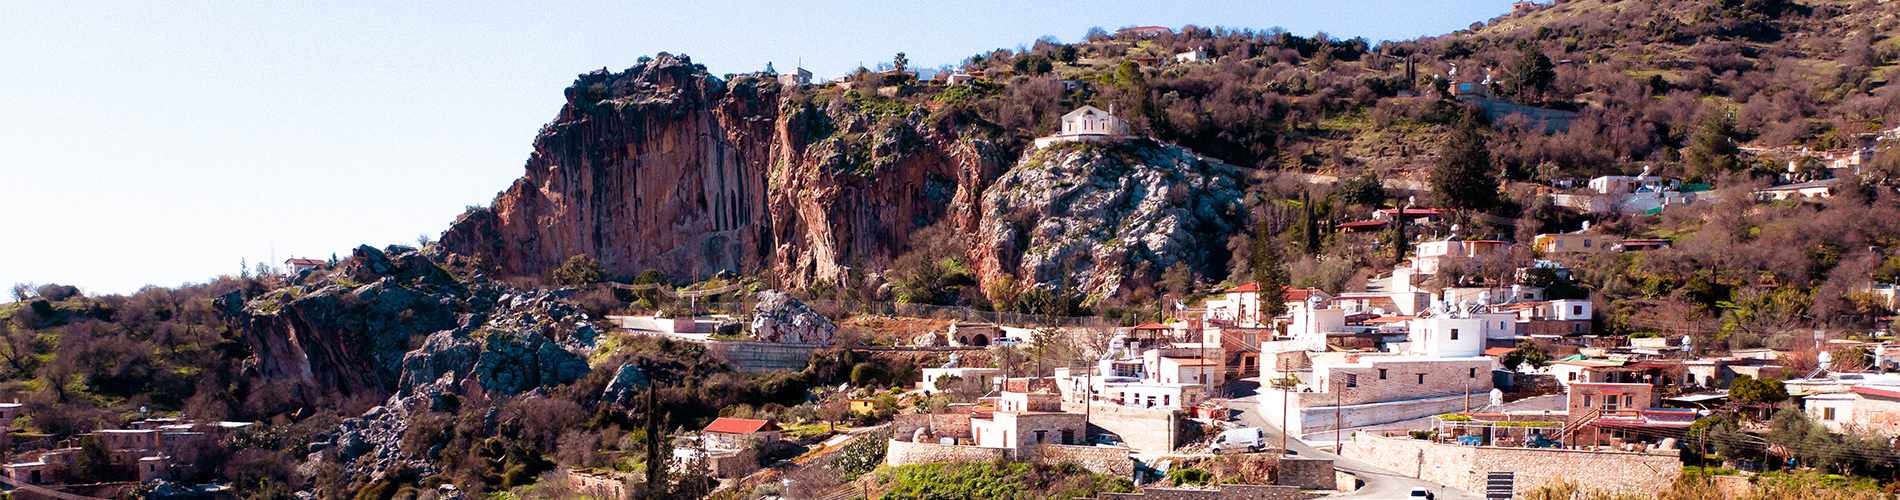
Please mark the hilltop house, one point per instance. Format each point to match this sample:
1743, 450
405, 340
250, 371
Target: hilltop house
295, 266
798, 77
1429, 256
1087, 124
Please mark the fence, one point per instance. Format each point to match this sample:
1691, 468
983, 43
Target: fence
840, 309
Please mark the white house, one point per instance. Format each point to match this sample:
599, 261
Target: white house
295, 266
1428, 256
1087, 123
1807, 190
799, 77
1197, 55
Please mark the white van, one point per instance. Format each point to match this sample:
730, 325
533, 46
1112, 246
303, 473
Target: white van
1244, 439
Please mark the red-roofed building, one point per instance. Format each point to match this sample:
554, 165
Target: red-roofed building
1411, 213
1363, 226
727, 433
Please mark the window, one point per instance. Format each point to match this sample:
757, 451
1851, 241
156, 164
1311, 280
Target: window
1827, 414
1421, 378
1454, 334
1576, 310
1167, 399
1381, 374
1040, 434
1068, 436
1352, 380
1586, 401
1474, 372
1586, 243
1629, 401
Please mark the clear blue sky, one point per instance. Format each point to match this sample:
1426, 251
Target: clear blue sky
161, 144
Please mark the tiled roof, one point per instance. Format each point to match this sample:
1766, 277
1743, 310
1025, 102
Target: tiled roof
731, 425
1250, 287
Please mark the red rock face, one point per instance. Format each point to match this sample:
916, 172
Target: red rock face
665, 173
662, 167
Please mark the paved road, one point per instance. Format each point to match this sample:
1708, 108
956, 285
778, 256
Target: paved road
1379, 483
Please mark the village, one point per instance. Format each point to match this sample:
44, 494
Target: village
1464, 390
1332, 326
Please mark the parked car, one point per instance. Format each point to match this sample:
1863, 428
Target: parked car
1105, 440
1421, 492
1248, 439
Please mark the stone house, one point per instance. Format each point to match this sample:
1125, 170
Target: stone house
1023, 420
731, 434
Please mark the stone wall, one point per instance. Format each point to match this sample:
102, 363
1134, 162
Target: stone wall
1111, 460
906, 453
734, 464
747, 356
956, 425
1223, 492
1306, 473
1464, 467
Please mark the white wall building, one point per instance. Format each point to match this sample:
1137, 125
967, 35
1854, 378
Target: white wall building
1087, 123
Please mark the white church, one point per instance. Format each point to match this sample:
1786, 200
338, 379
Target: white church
1087, 123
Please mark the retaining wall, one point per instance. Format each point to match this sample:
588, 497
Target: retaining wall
1464, 467
1223, 492
1111, 460
747, 356
906, 453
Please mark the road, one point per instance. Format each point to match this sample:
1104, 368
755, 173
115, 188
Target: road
1379, 483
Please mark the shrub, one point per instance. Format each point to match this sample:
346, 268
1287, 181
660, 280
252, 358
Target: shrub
1189, 476
579, 270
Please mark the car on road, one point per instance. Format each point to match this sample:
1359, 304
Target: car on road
1421, 492
1244, 439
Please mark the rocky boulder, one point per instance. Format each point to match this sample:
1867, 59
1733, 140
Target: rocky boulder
1086, 217
780, 318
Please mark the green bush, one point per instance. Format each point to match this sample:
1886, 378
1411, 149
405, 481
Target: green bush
1190, 476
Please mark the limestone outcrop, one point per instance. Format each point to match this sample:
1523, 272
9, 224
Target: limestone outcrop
780, 318
1087, 217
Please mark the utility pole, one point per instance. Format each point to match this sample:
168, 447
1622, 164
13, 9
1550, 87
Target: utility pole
1285, 393
1339, 398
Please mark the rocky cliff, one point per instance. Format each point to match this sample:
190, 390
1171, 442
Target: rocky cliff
665, 167
1087, 218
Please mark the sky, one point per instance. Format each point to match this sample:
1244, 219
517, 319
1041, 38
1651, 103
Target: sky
164, 143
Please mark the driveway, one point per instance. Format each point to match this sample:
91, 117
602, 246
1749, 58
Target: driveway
1379, 483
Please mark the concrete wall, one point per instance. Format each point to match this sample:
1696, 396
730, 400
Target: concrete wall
1142, 429
1464, 467
906, 453
747, 356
